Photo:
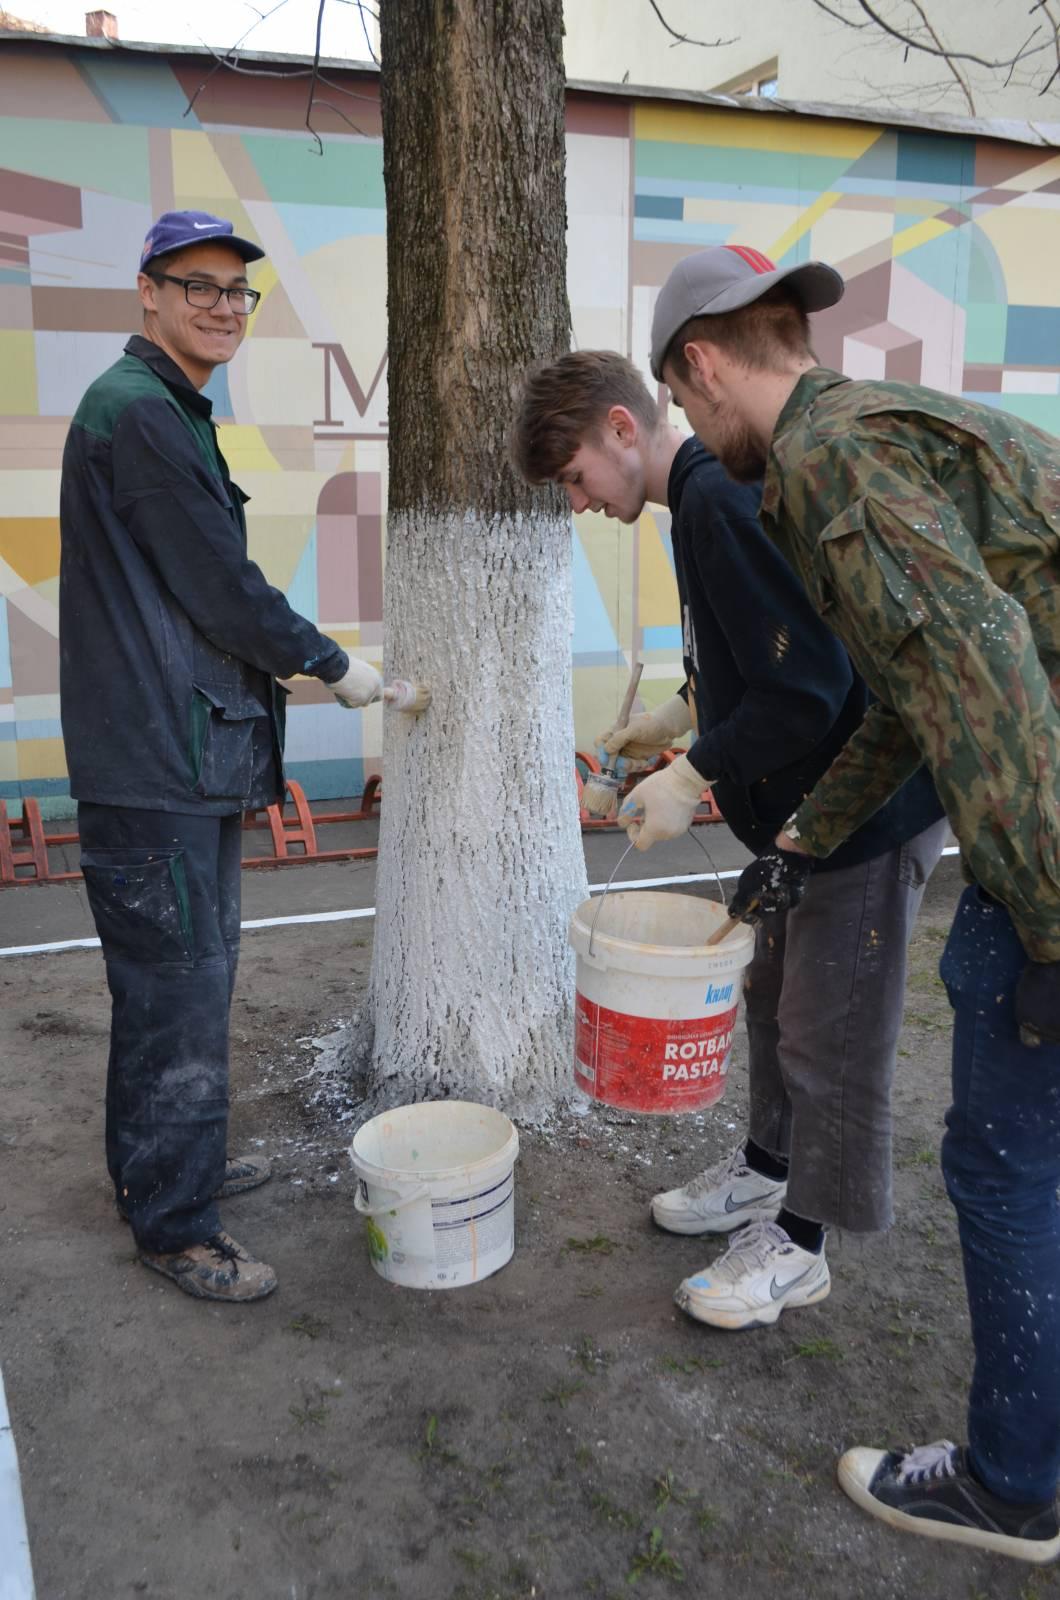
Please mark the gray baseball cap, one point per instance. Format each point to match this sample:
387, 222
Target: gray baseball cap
726, 277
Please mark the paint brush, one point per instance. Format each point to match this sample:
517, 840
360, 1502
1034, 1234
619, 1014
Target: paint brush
723, 929
405, 696
600, 790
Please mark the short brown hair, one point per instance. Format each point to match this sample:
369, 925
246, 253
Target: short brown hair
563, 404
764, 335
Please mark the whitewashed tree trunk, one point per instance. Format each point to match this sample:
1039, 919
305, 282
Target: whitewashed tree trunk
480, 860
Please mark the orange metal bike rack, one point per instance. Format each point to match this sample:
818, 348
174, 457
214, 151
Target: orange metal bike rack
24, 844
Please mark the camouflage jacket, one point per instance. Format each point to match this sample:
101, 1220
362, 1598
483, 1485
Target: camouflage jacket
927, 531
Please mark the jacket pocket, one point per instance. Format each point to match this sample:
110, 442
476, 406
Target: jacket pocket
221, 741
280, 697
139, 901
861, 587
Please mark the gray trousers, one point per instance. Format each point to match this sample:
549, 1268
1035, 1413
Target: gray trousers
824, 997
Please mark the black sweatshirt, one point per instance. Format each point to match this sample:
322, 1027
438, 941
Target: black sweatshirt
776, 697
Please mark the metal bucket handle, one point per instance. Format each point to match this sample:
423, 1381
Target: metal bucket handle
618, 863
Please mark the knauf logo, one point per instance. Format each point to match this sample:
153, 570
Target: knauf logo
716, 995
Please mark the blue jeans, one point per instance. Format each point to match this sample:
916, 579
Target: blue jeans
165, 894
1001, 1163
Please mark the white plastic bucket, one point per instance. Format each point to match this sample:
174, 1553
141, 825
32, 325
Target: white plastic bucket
655, 1005
437, 1192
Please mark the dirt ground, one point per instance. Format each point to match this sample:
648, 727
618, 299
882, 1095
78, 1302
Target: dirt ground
558, 1431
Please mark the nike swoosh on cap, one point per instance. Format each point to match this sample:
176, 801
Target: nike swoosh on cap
199, 226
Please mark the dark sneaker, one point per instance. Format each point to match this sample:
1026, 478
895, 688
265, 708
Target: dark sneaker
241, 1173
931, 1491
218, 1269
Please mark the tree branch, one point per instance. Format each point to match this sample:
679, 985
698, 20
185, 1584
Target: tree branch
847, 22
682, 38
947, 57
912, 43
313, 78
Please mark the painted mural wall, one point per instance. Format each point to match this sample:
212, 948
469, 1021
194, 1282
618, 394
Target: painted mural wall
945, 242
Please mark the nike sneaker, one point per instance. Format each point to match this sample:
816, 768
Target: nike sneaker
728, 1195
761, 1274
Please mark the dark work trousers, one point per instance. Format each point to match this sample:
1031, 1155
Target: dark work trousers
164, 890
824, 997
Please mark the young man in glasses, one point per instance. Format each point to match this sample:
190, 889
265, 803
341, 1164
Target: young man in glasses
170, 644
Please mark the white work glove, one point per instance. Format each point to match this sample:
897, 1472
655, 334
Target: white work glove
359, 687
662, 806
649, 733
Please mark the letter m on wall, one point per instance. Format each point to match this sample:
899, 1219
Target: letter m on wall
350, 411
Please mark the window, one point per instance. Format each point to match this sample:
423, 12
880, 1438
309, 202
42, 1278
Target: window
761, 80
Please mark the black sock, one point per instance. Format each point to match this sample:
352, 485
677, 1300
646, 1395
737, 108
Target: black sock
761, 1161
801, 1231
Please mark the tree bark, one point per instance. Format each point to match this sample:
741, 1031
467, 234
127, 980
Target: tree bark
480, 860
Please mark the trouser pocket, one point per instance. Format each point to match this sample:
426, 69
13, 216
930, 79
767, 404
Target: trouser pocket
139, 901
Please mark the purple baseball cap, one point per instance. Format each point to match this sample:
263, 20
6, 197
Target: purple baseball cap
176, 230
726, 277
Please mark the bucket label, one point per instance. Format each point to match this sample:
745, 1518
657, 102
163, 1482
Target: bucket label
651, 1063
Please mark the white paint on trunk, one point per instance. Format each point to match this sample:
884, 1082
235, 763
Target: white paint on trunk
480, 855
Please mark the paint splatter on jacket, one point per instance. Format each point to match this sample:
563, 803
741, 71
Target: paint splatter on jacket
170, 638
927, 530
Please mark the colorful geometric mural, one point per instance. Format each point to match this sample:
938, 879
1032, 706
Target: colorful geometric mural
945, 242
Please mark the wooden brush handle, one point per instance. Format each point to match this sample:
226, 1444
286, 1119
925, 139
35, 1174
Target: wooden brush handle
723, 930
631, 694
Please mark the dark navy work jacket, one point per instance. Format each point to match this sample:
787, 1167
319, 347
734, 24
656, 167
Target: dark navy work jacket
170, 637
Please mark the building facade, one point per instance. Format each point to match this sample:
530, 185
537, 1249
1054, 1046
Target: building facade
945, 240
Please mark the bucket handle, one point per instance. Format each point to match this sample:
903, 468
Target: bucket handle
618, 863
366, 1210
603, 897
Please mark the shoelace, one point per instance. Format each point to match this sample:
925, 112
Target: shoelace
928, 1461
731, 1167
221, 1248
752, 1247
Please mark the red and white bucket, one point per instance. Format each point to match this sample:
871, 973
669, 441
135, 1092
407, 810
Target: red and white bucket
655, 1005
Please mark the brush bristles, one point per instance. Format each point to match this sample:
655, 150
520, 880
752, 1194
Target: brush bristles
599, 796
405, 696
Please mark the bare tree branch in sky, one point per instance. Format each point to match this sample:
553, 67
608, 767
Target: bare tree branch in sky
682, 38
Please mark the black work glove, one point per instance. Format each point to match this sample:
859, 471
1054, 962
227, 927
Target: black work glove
774, 882
1038, 1003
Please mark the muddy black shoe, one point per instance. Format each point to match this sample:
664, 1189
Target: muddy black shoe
219, 1269
931, 1491
241, 1173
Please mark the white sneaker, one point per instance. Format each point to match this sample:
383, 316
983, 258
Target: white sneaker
758, 1276
728, 1195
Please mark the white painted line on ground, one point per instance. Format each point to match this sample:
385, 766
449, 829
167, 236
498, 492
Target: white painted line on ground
311, 916
16, 1574
259, 922
369, 911
49, 949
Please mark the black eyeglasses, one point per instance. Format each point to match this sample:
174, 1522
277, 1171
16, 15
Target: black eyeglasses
206, 295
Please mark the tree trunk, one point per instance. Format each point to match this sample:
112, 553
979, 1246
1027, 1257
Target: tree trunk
480, 860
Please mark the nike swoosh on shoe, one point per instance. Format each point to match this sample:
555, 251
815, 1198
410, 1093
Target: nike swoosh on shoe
777, 1289
743, 1205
